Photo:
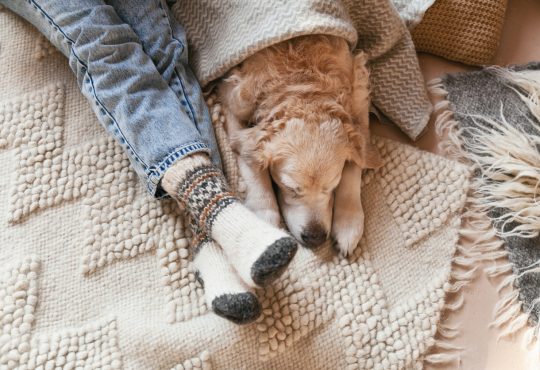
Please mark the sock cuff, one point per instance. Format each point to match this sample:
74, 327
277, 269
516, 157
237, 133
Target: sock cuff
204, 193
198, 241
174, 175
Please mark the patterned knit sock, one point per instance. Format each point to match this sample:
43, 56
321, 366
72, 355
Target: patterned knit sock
258, 251
228, 296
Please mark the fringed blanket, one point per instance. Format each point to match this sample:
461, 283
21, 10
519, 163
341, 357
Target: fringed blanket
95, 274
492, 120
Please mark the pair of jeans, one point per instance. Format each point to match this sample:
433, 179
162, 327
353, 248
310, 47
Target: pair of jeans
130, 58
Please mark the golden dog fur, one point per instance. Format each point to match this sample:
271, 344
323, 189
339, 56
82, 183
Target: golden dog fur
298, 116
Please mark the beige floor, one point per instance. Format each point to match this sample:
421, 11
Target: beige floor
520, 44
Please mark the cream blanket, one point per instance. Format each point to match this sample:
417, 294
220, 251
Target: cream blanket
95, 274
412, 11
222, 33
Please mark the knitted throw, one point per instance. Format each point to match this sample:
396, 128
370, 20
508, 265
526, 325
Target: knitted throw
499, 134
222, 34
96, 274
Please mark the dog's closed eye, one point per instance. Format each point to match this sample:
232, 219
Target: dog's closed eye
332, 185
295, 192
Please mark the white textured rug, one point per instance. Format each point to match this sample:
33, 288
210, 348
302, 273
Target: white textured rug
95, 274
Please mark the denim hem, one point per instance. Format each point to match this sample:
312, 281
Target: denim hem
156, 173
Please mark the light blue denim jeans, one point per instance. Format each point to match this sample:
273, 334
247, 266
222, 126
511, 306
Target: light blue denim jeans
131, 62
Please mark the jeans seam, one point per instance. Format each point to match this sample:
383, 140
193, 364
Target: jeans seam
175, 71
119, 130
186, 97
182, 151
197, 145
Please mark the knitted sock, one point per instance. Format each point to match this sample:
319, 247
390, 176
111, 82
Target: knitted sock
224, 291
258, 251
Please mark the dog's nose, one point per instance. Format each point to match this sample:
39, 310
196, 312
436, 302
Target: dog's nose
314, 235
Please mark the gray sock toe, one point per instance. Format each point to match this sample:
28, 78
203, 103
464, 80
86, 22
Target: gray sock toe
271, 264
240, 308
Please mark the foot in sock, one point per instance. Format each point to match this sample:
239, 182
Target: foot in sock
258, 251
225, 293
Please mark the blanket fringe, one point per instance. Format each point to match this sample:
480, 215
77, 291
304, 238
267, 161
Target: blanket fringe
447, 332
499, 269
443, 358
506, 157
487, 246
444, 352
464, 268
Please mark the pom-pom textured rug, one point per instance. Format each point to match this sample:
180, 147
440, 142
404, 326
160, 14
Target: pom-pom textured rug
95, 274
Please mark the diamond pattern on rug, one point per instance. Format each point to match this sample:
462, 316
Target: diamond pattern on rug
93, 345
43, 48
291, 308
201, 362
376, 335
420, 190
123, 280
121, 220
32, 125
348, 292
385, 316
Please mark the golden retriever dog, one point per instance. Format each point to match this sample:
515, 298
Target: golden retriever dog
298, 117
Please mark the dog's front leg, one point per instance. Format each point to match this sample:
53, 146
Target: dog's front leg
260, 196
348, 221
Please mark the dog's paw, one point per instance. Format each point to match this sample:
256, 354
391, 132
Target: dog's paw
269, 215
347, 230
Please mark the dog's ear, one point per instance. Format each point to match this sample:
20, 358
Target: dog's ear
253, 144
360, 90
370, 157
361, 151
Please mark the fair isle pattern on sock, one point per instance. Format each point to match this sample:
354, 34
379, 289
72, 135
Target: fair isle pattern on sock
204, 193
198, 237
258, 251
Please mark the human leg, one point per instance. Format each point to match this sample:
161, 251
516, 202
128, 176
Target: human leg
136, 105
258, 259
128, 94
164, 41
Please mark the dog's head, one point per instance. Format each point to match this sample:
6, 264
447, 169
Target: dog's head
306, 162
311, 128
